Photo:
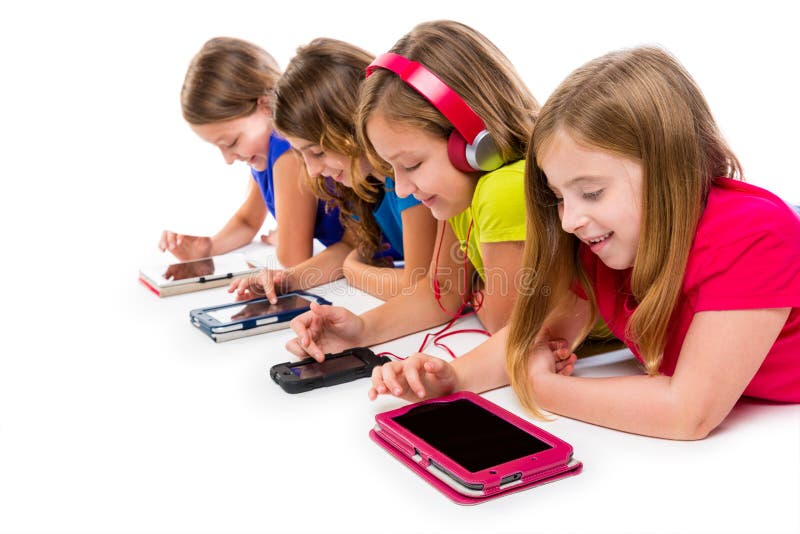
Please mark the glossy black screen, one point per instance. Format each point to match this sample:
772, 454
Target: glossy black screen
469, 434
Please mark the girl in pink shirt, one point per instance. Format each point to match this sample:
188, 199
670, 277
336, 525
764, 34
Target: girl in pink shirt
644, 221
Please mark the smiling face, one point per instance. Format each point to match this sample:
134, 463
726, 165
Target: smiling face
325, 162
243, 139
421, 166
600, 197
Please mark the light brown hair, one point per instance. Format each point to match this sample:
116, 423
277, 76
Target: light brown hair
640, 104
473, 67
316, 99
225, 80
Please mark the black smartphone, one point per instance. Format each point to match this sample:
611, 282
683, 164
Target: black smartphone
308, 374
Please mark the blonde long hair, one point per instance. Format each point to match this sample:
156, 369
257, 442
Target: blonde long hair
473, 67
639, 104
316, 99
225, 80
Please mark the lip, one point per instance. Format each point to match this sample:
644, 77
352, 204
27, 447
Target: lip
427, 202
339, 177
598, 246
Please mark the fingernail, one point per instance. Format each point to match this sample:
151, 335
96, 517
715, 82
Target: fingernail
398, 391
420, 394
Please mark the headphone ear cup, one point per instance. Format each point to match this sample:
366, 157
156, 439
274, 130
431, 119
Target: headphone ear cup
457, 152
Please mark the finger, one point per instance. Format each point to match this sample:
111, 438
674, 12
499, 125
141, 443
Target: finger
569, 368
170, 240
271, 294
561, 354
162, 242
294, 346
378, 385
391, 378
435, 366
312, 349
413, 375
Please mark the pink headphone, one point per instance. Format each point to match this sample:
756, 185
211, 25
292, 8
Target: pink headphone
470, 146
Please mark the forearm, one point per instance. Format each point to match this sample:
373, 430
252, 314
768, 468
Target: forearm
404, 314
321, 269
380, 282
483, 368
236, 233
638, 404
494, 315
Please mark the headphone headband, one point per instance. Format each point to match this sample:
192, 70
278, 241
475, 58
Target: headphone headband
438, 93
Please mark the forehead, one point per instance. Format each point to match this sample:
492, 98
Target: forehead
213, 132
565, 160
298, 143
393, 137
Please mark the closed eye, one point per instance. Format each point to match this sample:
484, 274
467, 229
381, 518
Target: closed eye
593, 195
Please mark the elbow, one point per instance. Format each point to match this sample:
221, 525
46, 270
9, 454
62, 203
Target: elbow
350, 276
291, 258
692, 424
691, 432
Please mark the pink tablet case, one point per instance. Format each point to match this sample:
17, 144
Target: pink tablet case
392, 444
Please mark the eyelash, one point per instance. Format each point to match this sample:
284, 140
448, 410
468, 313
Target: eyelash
412, 168
594, 195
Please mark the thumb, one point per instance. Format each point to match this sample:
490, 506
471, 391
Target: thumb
435, 366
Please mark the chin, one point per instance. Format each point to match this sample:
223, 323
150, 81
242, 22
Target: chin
617, 264
441, 215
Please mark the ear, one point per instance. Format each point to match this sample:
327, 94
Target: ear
265, 104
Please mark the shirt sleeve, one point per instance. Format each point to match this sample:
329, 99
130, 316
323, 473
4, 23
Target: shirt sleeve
499, 204
747, 259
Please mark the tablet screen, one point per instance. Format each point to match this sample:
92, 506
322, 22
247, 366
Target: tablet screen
259, 308
223, 266
315, 369
470, 435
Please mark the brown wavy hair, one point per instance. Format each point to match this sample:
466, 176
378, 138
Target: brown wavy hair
316, 99
225, 80
640, 104
473, 67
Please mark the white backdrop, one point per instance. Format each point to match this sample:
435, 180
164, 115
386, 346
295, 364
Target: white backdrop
96, 159
95, 150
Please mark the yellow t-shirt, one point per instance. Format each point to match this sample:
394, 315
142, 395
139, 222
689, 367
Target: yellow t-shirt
497, 211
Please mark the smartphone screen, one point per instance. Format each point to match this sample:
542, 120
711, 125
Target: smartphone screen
470, 435
258, 309
334, 365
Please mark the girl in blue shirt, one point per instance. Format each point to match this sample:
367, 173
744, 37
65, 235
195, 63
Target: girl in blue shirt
316, 100
226, 99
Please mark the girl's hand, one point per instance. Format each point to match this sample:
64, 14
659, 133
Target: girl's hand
185, 247
270, 238
552, 356
325, 329
416, 378
265, 283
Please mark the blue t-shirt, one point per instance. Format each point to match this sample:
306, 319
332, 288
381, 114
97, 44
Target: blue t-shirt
387, 214
327, 228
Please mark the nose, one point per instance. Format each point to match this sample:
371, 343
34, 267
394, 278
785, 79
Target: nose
313, 167
228, 155
403, 187
572, 217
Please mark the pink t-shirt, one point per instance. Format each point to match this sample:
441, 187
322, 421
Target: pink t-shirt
746, 255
